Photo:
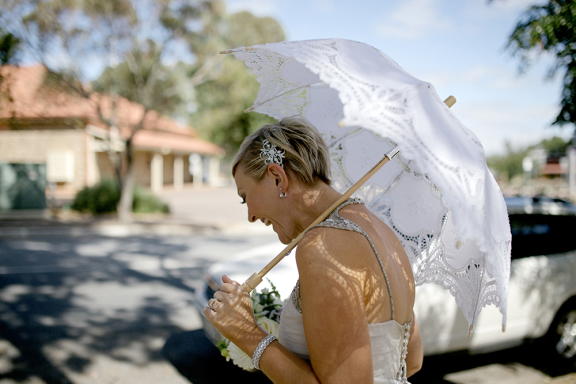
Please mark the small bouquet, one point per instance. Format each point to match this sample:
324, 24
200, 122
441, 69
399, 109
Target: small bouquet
267, 306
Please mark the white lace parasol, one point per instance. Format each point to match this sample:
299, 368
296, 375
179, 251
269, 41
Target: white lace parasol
437, 194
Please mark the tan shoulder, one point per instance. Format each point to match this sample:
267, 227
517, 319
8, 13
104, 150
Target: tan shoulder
323, 245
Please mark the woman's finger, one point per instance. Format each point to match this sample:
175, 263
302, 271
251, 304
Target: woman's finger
220, 295
228, 280
229, 288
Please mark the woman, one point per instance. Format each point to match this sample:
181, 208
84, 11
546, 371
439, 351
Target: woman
350, 316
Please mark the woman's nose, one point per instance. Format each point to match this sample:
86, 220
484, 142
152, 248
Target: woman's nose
251, 218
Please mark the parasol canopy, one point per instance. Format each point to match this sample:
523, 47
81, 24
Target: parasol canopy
437, 194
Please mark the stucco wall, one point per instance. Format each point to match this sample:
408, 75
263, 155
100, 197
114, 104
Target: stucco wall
33, 146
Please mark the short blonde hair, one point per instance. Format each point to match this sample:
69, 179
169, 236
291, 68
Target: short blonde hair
306, 153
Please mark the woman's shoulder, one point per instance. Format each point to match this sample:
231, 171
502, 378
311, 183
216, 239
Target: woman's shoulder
326, 245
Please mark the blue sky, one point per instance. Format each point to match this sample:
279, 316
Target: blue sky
458, 46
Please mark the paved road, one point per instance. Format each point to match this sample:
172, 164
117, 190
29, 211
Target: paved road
110, 303
96, 309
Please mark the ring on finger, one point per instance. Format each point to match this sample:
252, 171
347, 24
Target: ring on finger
210, 303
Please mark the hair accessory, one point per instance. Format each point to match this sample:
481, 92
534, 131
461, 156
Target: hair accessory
271, 154
260, 350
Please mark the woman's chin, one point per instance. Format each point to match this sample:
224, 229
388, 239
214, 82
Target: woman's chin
283, 238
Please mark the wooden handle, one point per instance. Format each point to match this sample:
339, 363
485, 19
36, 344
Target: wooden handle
252, 282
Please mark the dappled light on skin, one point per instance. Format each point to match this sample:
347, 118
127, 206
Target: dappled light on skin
376, 299
233, 315
365, 285
348, 279
377, 302
310, 198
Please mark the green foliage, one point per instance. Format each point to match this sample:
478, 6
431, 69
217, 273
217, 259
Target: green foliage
153, 84
509, 164
101, 198
104, 197
8, 47
555, 146
221, 102
147, 202
550, 28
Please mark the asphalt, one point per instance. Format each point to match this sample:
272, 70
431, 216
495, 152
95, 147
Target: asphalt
194, 211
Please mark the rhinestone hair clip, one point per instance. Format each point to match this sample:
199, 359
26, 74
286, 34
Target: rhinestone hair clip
271, 154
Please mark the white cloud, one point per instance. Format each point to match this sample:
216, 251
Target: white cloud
414, 19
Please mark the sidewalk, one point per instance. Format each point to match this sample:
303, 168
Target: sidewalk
192, 210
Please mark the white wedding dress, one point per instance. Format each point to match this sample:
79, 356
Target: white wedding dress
389, 340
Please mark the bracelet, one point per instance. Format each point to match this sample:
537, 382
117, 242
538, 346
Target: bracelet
260, 350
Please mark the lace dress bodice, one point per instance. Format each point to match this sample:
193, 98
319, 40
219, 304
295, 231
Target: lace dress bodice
389, 340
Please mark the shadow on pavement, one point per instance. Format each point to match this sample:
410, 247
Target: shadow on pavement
197, 359
60, 313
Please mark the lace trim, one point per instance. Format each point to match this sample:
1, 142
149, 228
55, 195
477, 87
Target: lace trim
401, 374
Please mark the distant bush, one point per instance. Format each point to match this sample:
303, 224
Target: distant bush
147, 202
104, 197
101, 198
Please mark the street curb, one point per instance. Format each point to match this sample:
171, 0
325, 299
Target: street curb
118, 229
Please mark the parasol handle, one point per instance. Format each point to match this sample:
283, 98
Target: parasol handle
252, 282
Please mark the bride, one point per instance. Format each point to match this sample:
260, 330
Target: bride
350, 316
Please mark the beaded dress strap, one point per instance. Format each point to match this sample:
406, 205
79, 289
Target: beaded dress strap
334, 220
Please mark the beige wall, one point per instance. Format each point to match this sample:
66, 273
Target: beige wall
168, 169
32, 146
142, 167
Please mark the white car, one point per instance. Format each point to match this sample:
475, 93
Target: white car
542, 292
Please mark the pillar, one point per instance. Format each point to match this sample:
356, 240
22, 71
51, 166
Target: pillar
178, 172
157, 173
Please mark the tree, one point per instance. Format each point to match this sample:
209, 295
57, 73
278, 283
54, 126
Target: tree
134, 38
8, 47
222, 101
509, 165
550, 28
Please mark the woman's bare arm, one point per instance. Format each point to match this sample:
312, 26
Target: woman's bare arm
415, 355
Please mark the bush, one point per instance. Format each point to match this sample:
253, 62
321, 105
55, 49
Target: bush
104, 197
101, 198
146, 202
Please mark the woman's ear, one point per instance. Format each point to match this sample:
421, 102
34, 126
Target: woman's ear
279, 175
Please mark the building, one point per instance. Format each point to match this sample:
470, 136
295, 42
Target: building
64, 132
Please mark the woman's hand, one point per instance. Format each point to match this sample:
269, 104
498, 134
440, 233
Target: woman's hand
230, 311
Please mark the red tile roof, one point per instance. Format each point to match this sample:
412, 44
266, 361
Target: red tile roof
22, 97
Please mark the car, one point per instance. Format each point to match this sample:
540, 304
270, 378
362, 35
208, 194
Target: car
542, 289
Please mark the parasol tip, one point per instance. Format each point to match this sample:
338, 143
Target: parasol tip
226, 52
503, 327
450, 101
249, 110
470, 331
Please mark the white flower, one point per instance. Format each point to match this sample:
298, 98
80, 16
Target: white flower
265, 291
257, 307
240, 358
269, 325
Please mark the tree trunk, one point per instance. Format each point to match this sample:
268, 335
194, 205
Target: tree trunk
126, 202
